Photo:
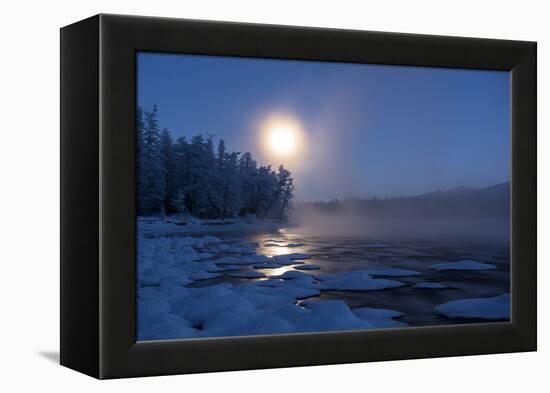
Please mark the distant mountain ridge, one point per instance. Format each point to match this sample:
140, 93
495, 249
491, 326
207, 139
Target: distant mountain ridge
463, 190
464, 203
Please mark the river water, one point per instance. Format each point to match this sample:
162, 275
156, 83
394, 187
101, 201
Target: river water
342, 254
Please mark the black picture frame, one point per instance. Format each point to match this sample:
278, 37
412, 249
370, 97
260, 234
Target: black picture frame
98, 200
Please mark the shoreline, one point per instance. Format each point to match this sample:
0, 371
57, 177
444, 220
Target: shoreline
166, 226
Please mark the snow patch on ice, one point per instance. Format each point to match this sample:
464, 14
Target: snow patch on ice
355, 281
380, 317
242, 260
464, 265
429, 285
168, 308
267, 265
497, 308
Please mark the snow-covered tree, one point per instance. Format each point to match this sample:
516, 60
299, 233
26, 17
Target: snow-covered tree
140, 125
286, 191
189, 176
151, 193
247, 175
229, 182
168, 169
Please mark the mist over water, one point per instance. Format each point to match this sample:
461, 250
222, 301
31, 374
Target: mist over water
460, 214
350, 224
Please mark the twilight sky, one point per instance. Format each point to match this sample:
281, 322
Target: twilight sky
369, 130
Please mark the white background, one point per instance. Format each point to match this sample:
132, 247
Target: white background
29, 181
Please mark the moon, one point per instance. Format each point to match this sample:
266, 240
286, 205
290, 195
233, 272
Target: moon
282, 137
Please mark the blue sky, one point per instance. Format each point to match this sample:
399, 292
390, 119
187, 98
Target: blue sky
371, 130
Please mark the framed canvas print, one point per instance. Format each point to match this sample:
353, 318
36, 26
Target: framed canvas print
239, 196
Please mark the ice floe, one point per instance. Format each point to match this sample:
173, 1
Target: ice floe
380, 317
243, 260
464, 265
429, 285
497, 308
267, 265
355, 281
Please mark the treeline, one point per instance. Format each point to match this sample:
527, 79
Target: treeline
192, 176
460, 203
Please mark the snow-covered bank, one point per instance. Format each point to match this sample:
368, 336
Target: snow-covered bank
168, 309
170, 225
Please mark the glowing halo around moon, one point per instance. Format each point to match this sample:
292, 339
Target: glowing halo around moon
282, 139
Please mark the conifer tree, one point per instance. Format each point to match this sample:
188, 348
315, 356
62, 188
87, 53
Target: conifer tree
190, 177
152, 193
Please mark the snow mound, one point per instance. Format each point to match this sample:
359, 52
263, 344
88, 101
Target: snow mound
167, 308
267, 265
392, 272
429, 285
497, 308
272, 283
254, 259
198, 241
295, 275
355, 281
380, 317
242, 260
464, 265
212, 267
164, 327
